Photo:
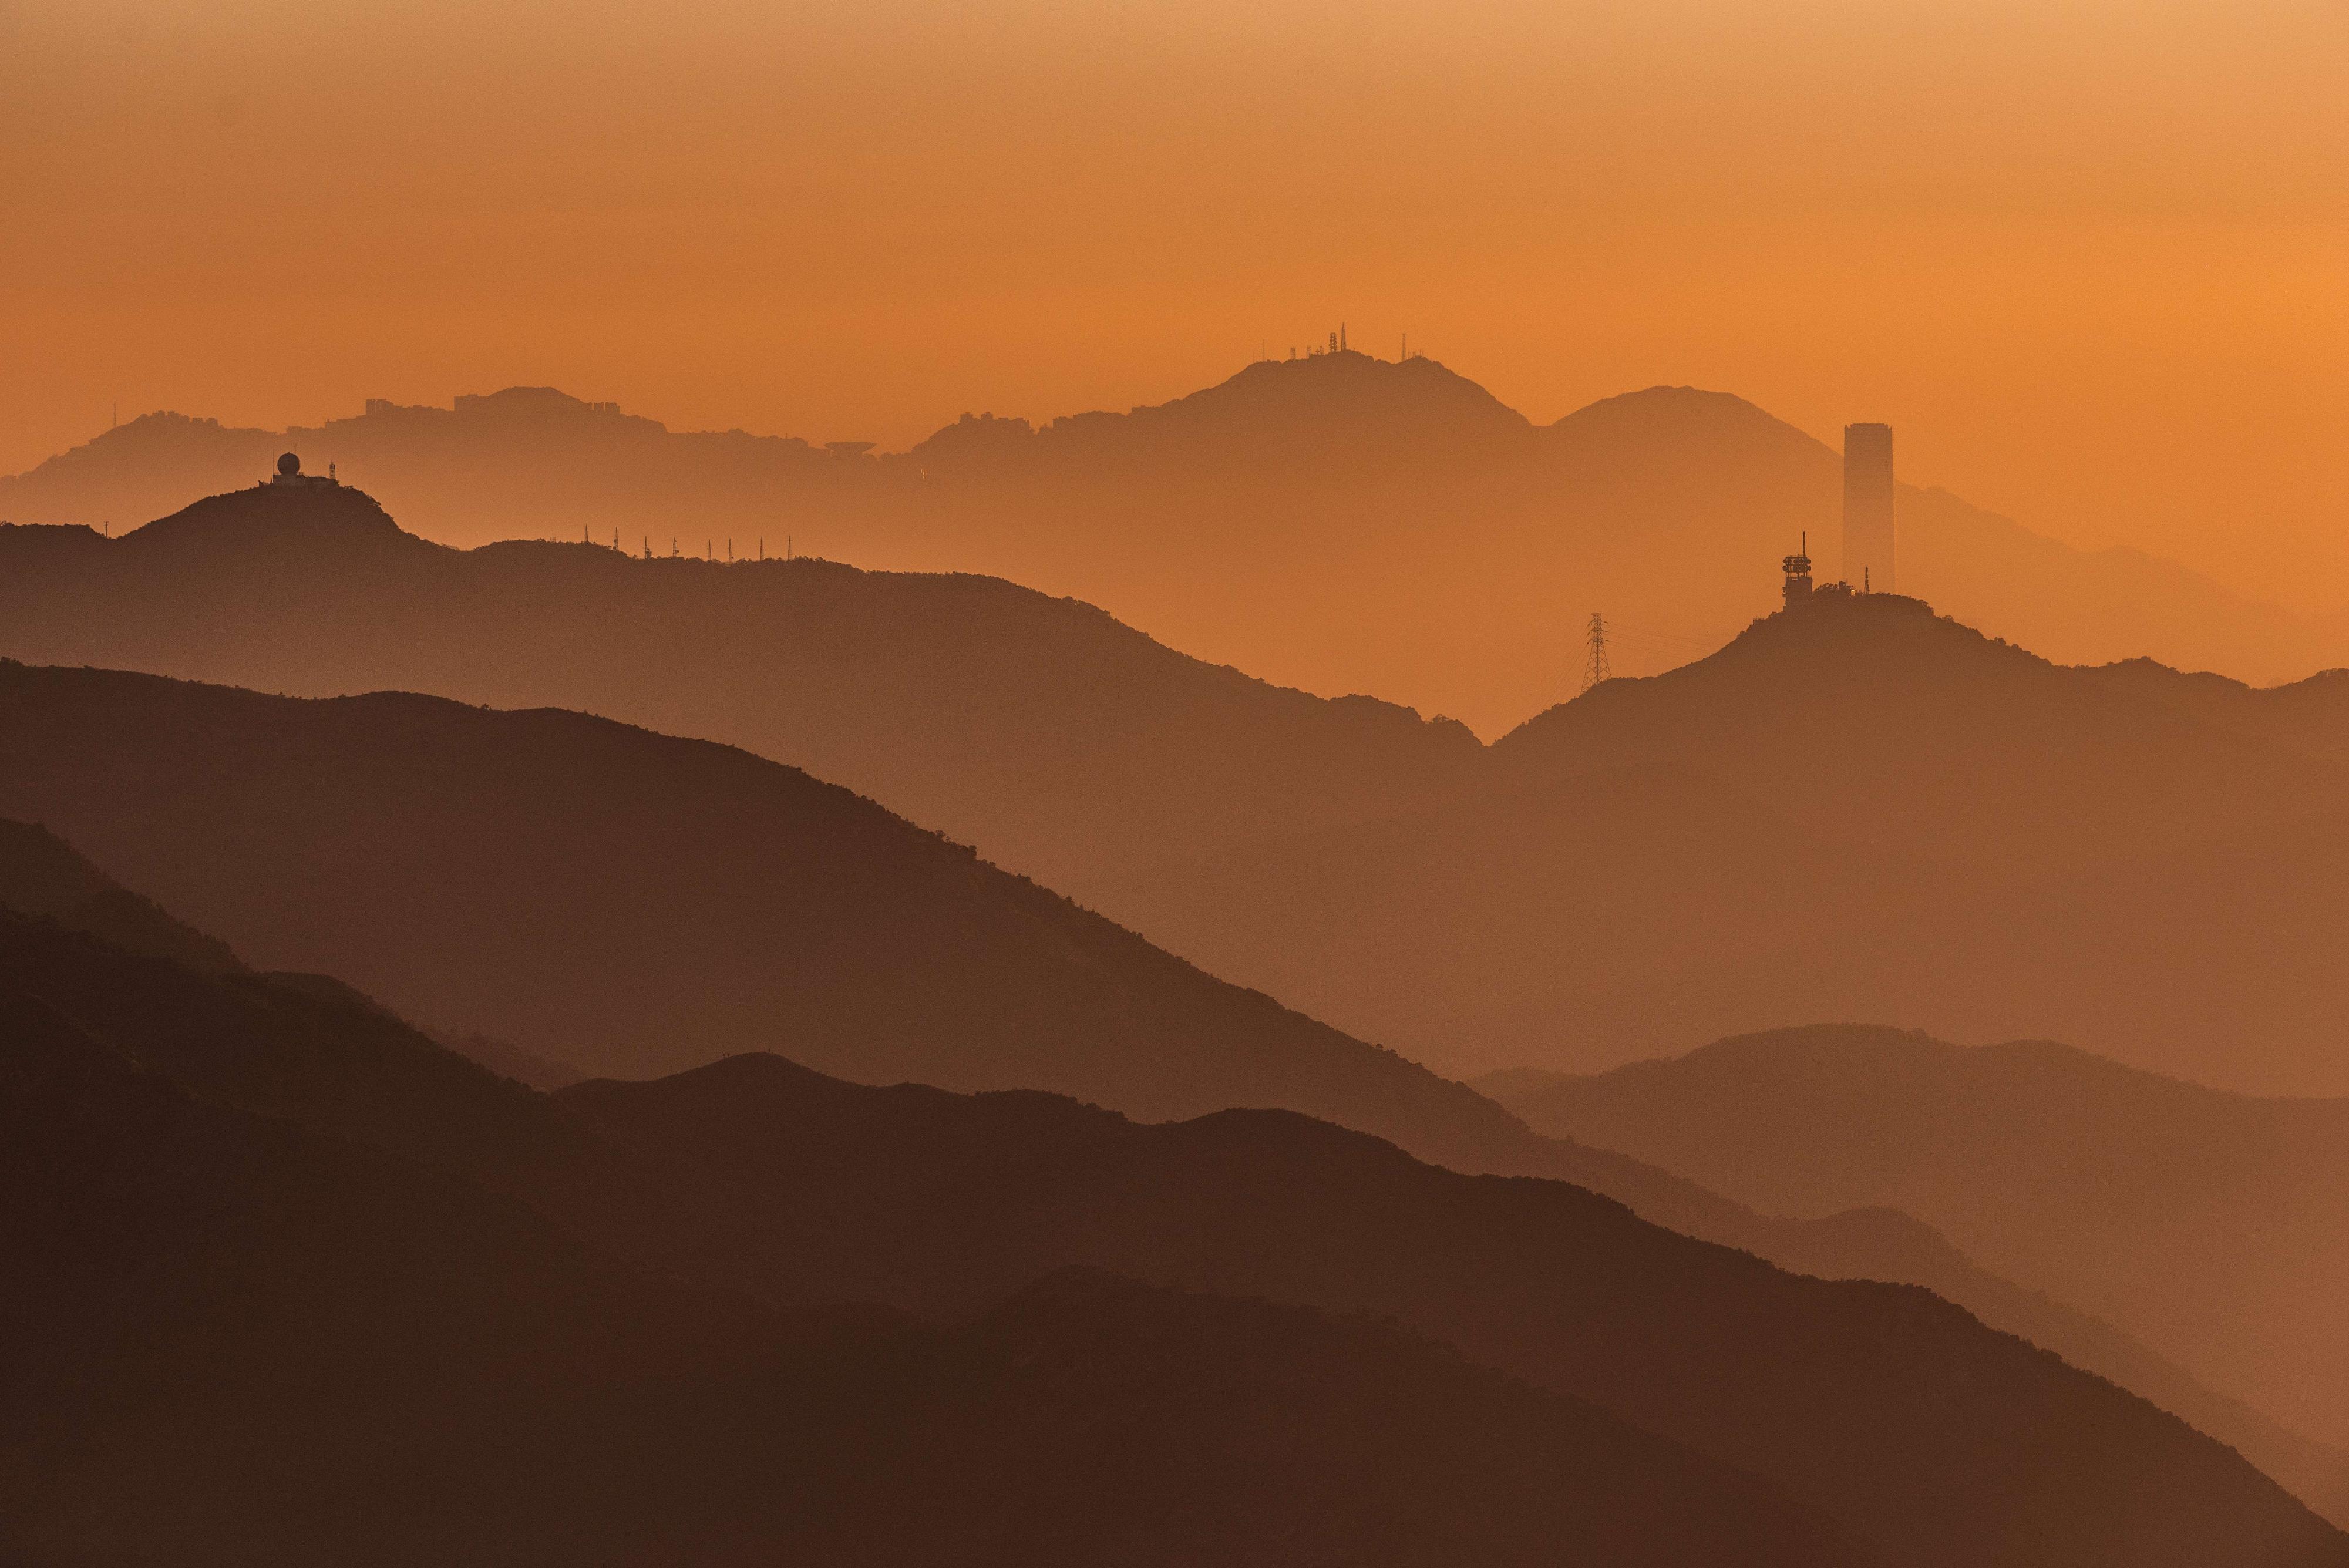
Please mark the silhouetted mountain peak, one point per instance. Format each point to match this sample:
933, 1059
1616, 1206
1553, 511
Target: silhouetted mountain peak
1839, 625
1868, 1052
1823, 651
279, 519
1814, 1057
1341, 402
529, 402
976, 439
1346, 386
156, 437
153, 429
1689, 418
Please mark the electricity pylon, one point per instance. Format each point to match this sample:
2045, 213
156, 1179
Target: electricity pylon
1593, 666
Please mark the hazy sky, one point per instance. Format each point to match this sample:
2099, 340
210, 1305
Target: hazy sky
2093, 258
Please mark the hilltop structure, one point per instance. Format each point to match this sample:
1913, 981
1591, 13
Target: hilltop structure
1867, 522
1797, 567
1867, 507
290, 475
1801, 592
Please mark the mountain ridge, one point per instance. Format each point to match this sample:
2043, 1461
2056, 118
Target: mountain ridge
1768, 836
1043, 730
1102, 1186
631, 903
2205, 1222
1316, 537
337, 1354
829, 1224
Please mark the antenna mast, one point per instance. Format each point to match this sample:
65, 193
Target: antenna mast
1593, 666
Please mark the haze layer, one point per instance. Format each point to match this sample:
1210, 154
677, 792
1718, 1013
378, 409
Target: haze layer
2085, 256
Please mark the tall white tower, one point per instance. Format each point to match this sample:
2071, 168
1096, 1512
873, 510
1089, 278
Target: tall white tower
1867, 506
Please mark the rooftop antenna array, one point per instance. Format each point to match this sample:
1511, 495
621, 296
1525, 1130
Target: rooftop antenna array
1797, 567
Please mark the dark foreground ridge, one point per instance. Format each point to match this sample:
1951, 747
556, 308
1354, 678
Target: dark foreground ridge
336, 1355
387, 1297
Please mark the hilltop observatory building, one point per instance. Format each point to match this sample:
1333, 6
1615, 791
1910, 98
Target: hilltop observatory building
289, 475
1867, 508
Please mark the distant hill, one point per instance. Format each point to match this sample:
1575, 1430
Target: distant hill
2212, 1225
2310, 715
390, 1303
591, 894
1059, 742
1861, 811
1338, 522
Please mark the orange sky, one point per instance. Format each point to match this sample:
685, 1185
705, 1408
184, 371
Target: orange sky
2093, 258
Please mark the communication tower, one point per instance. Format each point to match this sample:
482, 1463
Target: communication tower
1797, 567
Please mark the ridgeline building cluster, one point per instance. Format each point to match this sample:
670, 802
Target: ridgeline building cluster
1868, 530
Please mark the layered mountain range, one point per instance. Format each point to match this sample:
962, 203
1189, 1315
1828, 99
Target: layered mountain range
2208, 1223
241, 1330
1339, 523
1864, 811
1060, 742
580, 891
390, 1305
1857, 810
